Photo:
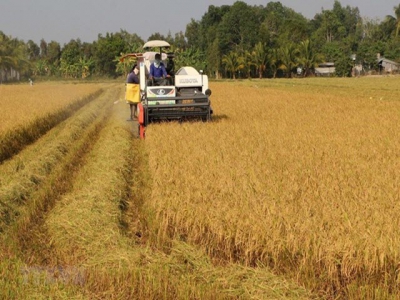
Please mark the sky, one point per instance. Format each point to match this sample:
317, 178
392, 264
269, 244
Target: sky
61, 21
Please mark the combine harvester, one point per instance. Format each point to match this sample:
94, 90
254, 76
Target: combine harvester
186, 96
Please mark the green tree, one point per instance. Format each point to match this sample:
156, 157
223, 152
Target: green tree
233, 63
53, 53
40, 67
274, 61
281, 25
288, 56
193, 34
208, 26
260, 58
70, 56
189, 57
214, 59
33, 50
333, 51
169, 38
71, 52
133, 43
208, 40
43, 48
367, 53
13, 55
331, 28
106, 49
308, 58
49, 59
239, 28
180, 41
85, 66
343, 66
342, 25
7, 59
394, 22
392, 49
249, 62
397, 13
156, 36
371, 29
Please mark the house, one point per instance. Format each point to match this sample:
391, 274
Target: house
388, 66
10, 74
325, 69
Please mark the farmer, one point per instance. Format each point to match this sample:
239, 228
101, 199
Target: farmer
157, 72
133, 75
132, 94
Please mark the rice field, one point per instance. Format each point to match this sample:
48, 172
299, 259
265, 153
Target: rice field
303, 179
28, 112
291, 192
22, 104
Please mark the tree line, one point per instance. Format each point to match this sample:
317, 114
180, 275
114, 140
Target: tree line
229, 41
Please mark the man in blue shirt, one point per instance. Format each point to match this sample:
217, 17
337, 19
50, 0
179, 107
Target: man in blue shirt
157, 72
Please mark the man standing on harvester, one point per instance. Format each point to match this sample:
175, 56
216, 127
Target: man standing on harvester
158, 74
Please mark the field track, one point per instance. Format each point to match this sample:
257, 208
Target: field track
291, 192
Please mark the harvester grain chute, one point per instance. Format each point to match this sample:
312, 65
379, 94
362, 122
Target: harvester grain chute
185, 96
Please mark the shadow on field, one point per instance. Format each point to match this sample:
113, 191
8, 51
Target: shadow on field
218, 118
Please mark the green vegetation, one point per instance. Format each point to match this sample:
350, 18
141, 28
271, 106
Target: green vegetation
229, 41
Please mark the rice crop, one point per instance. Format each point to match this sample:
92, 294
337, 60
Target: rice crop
27, 112
91, 242
299, 175
20, 104
291, 192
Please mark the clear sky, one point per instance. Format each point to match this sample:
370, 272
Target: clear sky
64, 20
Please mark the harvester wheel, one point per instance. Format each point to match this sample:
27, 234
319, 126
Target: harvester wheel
208, 117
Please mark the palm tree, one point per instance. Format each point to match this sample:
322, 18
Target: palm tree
274, 61
307, 57
397, 12
395, 21
6, 59
13, 55
260, 58
233, 63
248, 60
288, 56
